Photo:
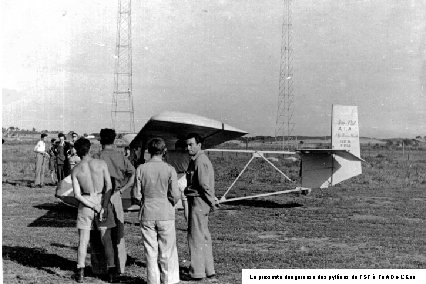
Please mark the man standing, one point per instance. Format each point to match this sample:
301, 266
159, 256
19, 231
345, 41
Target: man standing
61, 149
52, 161
41, 154
89, 178
201, 200
122, 177
156, 188
74, 137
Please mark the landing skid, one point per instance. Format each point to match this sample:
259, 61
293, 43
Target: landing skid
297, 190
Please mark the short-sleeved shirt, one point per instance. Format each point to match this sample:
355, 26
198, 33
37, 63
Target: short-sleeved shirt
40, 147
119, 167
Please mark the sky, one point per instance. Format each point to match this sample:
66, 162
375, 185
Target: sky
219, 59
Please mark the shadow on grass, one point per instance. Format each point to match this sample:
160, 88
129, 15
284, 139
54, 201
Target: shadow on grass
137, 224
19, 182
259, 203
134, 261
59, 215
63, 246
24, 182
37, 258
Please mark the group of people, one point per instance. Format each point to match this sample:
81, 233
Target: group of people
60, 156
98, 183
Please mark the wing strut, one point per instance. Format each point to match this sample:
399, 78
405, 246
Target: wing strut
256, 154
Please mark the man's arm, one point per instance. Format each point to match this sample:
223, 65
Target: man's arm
203, 170
137, 189
174, 191
107, 185
130, 171
77, 193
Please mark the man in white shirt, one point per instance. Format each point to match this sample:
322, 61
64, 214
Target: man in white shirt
40, 150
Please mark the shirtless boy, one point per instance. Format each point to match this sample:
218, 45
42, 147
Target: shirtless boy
89, 179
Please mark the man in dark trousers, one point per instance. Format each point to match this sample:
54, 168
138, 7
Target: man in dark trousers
61, 149
92, 188
122, 177
201, 201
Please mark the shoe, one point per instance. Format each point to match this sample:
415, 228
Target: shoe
41, 185
186, 277
79, 275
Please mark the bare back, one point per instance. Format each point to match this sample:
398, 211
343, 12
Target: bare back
91, 175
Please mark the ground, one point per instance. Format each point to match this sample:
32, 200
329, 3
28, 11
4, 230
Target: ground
376, 220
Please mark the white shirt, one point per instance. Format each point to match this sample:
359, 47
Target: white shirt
40, 147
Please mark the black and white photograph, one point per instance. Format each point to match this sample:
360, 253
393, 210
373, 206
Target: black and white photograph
213, 141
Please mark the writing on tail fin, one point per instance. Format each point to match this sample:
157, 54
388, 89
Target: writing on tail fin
345, 136
322, 168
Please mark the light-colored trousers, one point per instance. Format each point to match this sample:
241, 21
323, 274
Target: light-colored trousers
199, 239
159, 241
39, 169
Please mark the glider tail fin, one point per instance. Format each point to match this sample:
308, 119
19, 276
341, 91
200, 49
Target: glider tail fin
345, 136
322, 168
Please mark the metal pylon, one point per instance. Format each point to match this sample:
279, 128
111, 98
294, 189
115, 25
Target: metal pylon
284, 127
122, 113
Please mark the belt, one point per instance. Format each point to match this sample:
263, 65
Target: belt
93, 193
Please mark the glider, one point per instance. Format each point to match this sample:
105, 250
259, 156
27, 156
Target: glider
171, 126
320, 168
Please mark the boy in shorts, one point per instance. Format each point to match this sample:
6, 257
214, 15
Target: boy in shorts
89, 179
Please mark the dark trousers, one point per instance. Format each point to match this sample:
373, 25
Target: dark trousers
60, 172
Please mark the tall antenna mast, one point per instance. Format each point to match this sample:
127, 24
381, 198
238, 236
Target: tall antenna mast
122, 113
284, 126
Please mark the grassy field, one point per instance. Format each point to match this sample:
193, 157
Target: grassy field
376, 220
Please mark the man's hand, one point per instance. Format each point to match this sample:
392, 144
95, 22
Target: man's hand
216, 205
97, 208
102, 215
216, 202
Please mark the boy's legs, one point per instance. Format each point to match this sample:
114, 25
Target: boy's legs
84, 237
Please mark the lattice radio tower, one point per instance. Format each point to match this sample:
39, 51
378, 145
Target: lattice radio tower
122, 113
284, 128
